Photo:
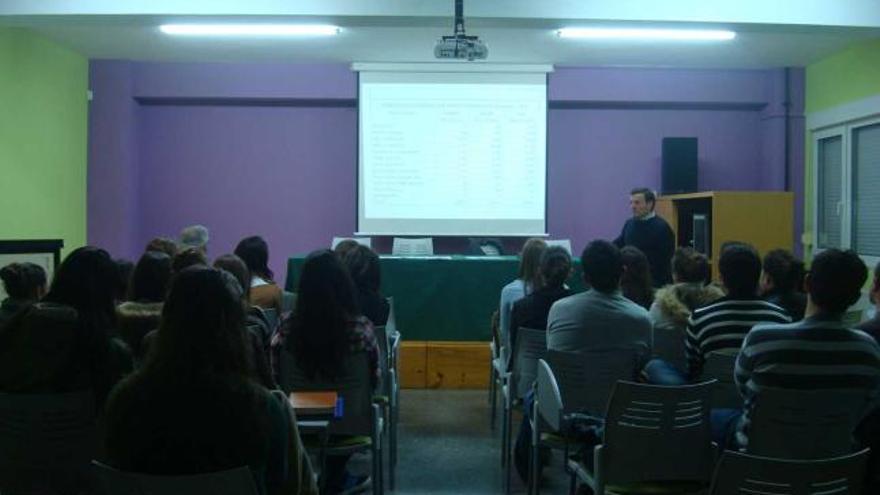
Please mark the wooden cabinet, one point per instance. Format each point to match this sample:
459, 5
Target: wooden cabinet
762, 219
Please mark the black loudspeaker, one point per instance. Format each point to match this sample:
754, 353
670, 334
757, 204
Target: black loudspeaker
679, 164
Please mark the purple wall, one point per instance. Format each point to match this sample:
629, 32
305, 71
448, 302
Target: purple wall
271, 149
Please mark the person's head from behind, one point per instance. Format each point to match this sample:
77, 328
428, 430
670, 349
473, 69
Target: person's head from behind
236, 267
164, 245
602, 264
641, 201
254, 251
202, 331
124, 270
195, 236
782, 272
87, 281
555, 267
187, 258
326, 305
150, 278
740, 268
636, 279
835, 281
363, 266
690, 267
24, 281
345, 246
530, 262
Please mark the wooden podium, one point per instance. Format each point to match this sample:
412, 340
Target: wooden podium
761, 218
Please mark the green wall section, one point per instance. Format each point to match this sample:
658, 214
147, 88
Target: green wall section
849, 75
43, 144
846, 76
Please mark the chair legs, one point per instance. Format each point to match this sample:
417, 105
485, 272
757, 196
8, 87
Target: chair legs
506, 443
534, 481
493, 394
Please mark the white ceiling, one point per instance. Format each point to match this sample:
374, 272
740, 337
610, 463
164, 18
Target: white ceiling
771, 33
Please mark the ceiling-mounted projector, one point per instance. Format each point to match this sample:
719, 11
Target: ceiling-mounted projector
460, 45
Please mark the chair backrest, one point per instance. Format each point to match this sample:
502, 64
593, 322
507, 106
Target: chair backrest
238, 481
586, 379
804, 424
549, 398
353, 386
402, 246
381, 334
658, 433
563, 243
391, 323
363, 241
531, 345
288, 301
739, 474
46, 436
720, 366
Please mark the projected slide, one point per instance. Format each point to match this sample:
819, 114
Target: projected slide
452, 153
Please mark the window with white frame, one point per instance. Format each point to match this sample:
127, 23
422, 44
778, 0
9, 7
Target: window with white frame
847, 187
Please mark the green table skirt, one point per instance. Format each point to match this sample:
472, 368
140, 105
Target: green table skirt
441, 297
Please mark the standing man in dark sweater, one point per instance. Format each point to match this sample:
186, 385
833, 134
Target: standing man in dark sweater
651, 234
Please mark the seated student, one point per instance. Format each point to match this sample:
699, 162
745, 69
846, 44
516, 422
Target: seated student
363, 266
141, 312
196, 237
532, 310
601, 317
344, 246
781, 282
196, 406
63, 343
186, 258
24, 283
674, 304
264, 292
259, 334
598, 319
872, 326
163, 245
325, 328
636, 283
819, 352
528, 279
722, 325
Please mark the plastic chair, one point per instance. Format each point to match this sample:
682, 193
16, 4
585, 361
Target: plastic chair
389, 398
47, 442
570, 382
804, 424
739, 474
238, 481
402, 246
271, 317
531, 345
656, 438
720, 366
361, 424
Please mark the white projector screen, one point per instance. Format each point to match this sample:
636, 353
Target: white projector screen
452, 153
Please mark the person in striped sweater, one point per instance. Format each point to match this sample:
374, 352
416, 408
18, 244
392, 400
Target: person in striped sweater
722, 325
819, 352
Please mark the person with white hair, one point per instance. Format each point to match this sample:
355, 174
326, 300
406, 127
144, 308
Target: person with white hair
195, 236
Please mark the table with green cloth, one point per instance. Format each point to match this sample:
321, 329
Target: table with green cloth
442, 297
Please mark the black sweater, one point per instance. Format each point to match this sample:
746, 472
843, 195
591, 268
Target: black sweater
653, 237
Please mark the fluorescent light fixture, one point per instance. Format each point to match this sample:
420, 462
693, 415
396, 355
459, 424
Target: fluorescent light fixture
253, 29
647, 34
